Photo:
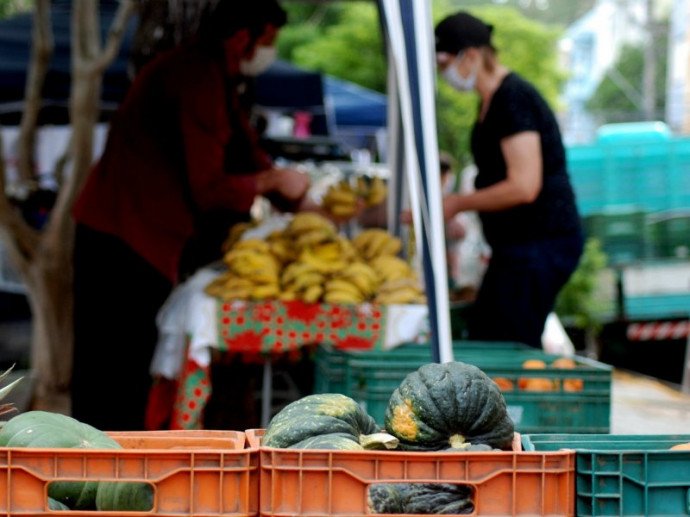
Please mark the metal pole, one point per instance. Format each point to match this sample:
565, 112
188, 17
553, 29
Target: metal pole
266, 394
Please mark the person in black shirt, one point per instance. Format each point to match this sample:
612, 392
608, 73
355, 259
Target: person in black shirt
523, 194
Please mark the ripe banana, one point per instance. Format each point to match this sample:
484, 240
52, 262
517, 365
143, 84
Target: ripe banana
338, 284
295, 270
261, 292
312, 294
341, 297
305, 221
377, 192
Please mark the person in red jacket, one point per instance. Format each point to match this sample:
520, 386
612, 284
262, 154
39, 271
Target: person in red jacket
180, 166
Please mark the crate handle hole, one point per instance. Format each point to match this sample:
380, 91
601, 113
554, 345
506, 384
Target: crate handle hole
420, 498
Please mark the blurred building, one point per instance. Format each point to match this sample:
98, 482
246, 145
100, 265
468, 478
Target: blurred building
678, 79
588, 49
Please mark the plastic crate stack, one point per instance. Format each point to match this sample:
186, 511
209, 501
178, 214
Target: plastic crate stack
192, 473
370, 377
624, 475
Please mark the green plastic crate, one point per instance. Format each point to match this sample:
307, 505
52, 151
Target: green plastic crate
330, 364
624, 474
370, 378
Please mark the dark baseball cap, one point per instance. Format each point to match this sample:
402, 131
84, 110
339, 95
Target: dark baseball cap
460, 31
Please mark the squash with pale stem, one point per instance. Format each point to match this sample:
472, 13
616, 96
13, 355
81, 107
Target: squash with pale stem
453, 405
322, 421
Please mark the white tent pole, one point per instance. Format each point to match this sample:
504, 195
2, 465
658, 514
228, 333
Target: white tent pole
426, 211
436, 231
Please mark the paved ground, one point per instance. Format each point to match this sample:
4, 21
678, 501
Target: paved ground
642, 405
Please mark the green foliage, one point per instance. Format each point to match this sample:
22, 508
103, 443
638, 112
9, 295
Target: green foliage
323, 37
323, 40
11, 7
611, 103
578, 301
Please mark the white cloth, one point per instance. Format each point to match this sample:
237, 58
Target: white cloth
554, 338
187, 313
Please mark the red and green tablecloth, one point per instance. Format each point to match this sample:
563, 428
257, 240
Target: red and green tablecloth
260, 330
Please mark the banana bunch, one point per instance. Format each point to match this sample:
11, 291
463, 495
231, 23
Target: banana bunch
230, 287
281, 247
372, 189
301, 281
341, 200
389, 267
376, 242
360, 277
253, 272
338, 290
234, 235
310, 261
328, 257
308, 229
401, 291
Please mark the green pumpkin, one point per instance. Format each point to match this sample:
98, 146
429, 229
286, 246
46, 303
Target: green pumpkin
56, 505
448, 405
324, 421
41, 430
132, 496
420, 498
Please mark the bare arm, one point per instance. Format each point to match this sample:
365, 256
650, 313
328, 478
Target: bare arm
522, 185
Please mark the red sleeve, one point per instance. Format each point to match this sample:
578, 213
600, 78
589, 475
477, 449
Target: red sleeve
205, 132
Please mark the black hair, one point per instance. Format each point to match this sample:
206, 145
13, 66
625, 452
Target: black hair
229, 16
460, 31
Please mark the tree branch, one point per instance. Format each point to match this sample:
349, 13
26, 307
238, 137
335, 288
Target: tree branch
115, 35
42, 46
20, 238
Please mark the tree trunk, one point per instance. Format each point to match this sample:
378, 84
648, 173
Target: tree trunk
45, 258
50, 296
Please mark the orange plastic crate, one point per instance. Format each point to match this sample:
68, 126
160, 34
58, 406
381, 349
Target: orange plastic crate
334, 483
193, 473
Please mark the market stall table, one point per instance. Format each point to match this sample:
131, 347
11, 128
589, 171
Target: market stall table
193, 324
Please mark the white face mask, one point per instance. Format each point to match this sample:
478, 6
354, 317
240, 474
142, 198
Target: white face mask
453, 77
263, 57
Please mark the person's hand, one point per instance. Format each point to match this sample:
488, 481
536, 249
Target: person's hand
455, 230
451, 206
291, 184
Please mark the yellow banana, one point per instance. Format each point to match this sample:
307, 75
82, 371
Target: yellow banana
257, 245
328, 251
235, 294
391, 246
340, 297
339, 196
391, 286
262, 292
312, 293
316, 236
338, 284
323, 266
341, 209
377, 192
305, 281
287, 296
294, 270
305, 221
402, 296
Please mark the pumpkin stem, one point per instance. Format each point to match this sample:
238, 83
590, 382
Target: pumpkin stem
457, 441
377, 441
